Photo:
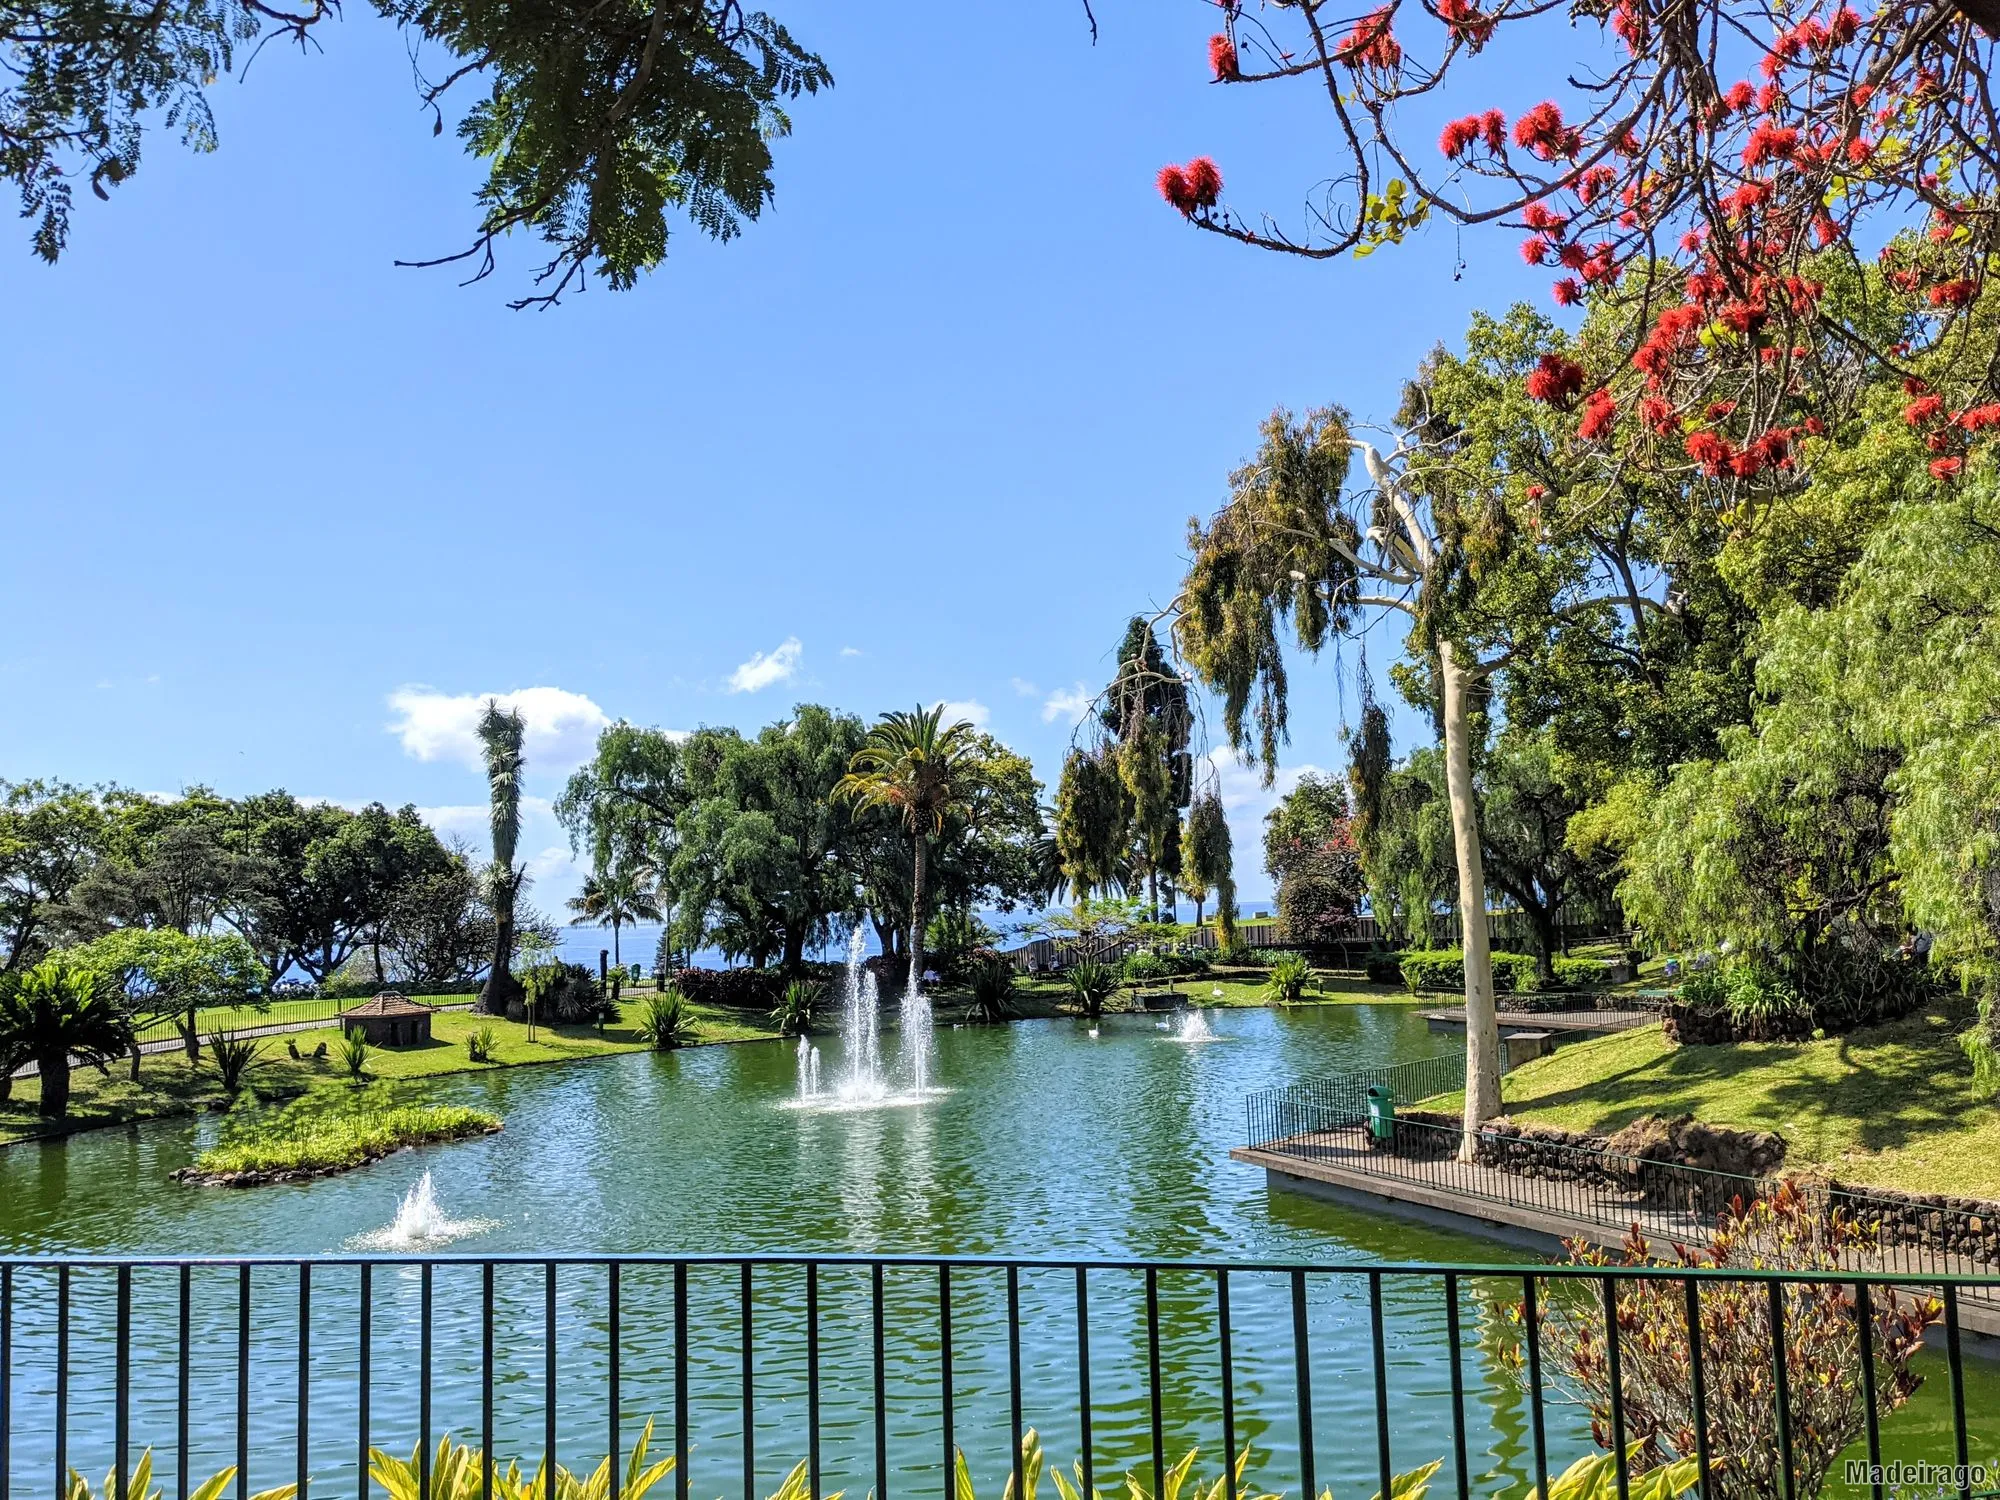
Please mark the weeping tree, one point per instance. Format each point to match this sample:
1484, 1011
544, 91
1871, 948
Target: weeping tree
1148, 722
501, 732
1093, 823
1207, 862
1294, 551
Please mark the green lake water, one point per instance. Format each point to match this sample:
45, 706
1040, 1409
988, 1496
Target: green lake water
1047, 1143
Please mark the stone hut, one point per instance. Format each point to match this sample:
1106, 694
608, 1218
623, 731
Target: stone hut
390, 1020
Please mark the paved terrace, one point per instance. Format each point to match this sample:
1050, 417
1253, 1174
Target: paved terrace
1538, 1212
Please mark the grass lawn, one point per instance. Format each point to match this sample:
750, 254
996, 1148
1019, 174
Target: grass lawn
1241, 989
168, 1086
1890, 1105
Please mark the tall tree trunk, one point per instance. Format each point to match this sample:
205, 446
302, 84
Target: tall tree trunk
795, 948
617, 962
501, 986
917, 918
1542, 919
1197, 910
52, 1069
136, 1055
1482, 1021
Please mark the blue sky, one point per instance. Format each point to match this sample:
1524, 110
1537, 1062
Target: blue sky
281, 513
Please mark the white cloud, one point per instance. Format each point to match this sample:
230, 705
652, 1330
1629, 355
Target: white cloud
1071, 705
765, 668
852, 651
562, 726
1025, 688
970, 709
1245, 801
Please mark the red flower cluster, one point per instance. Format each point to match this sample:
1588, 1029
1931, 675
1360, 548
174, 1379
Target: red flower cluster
1568, 292
1979, 418
1957, 293
1541, 130
1947, 469
1656, 355
1222, 58
1555, 381
1467, 24
1599, 411
1770, 143
1370, 44
1461, 135
1194, 186
1923, 410
1659, 415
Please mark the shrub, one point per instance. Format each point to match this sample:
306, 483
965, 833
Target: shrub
793, 1013
1580, 973
1290, 973
1384, 968
140, 1486
234, 1057
1822, 1348
992, 990
664, 1022
309, 1137
457, 1473
479, 1044
1090, 984
1443, 969
354, 1053
955, 942
737, 989
1145, 966
1187, 961
566, 995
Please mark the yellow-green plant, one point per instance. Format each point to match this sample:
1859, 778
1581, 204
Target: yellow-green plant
141, 1486
1290, 973
455, 1475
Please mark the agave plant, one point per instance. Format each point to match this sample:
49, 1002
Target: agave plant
234, 1057
1290, 973
1090, 984
455, 1475
992, 990
141, 1486
664, 1022
793, 1013
354, 1054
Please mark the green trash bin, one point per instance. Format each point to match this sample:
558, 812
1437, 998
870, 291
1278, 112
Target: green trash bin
1381, 1112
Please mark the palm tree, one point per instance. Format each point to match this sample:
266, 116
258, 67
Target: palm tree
57, 1011
923, 770
618, 896
500, 734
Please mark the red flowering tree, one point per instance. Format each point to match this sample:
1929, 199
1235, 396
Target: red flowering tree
1780, 201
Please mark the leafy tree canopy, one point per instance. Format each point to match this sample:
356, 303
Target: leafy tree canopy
596, 123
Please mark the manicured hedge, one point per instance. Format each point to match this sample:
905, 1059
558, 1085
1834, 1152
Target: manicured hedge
743, 989
1444, 969
1581, 973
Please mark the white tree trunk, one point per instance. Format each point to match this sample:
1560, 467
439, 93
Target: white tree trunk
1482, 1022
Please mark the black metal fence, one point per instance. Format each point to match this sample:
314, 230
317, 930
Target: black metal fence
866, 1373
1583, 1187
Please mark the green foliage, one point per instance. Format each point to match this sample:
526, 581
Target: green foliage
793, 1014
1208, 860
955, 941
353, 1053
139, 1485
1147, 717
456, 1474
1310, 851
314, 1136
1579, 973
596, 125
55, 1012
1289, 976
161, 972
664, 1021
1151, 964
1443, 969
992, 990
1822, 1351
1093, 823
1090, 984
479, 1044
234, 1057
